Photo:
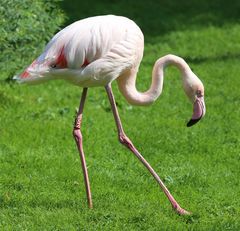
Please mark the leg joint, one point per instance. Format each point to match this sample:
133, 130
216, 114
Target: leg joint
123, 139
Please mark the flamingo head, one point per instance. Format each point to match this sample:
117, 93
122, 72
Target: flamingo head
194, 89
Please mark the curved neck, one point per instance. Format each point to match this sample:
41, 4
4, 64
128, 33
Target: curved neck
127, 82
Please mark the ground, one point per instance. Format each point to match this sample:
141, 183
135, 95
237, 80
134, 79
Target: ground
41, 183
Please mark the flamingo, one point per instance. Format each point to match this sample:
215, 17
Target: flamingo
93, 52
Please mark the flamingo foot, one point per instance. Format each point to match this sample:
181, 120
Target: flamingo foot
181, 211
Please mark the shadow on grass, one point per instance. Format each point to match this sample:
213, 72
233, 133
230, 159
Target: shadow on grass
225, 57
159, 17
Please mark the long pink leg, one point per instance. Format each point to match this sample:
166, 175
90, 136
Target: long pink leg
127, 142
78, 138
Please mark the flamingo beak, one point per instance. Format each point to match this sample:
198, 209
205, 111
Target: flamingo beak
199, 111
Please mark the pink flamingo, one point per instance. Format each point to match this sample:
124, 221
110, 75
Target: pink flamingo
97, 50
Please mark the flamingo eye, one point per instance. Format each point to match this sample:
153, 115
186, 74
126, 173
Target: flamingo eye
199, 93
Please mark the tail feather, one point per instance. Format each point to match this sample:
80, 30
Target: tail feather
34, 72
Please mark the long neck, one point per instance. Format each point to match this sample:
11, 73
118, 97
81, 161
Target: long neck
127, 82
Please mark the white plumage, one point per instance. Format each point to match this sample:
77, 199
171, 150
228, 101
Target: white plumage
95, 50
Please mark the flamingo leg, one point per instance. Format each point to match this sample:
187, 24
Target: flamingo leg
78, 138
128, 143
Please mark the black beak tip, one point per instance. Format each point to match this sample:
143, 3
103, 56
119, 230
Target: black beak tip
192, 122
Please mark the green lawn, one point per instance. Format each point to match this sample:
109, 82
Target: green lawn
41, 182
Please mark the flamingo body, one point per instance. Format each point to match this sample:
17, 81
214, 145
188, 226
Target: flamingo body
90, 52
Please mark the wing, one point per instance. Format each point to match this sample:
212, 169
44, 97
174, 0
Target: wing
95, 48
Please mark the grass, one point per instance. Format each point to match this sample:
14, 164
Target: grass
41, 183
